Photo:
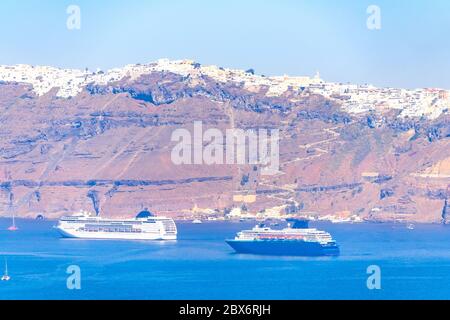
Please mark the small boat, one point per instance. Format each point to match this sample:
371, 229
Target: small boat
197, 221
13, 227
341, 220
6, 277
410, 226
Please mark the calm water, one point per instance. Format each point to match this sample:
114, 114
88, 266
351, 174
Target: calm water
415, 264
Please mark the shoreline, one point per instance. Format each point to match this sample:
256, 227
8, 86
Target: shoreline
189, 221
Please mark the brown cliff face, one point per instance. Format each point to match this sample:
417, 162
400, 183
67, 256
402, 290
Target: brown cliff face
110, 146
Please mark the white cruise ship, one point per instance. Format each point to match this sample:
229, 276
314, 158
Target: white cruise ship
144, 227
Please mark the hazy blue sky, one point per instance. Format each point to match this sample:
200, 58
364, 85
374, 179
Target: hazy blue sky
412, 49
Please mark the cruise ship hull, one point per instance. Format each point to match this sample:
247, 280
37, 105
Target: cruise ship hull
114, 236
284, 248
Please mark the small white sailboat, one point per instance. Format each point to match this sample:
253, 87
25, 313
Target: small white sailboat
6, 277
197, 221
13, 227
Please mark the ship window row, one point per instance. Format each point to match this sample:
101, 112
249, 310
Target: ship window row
120, 230
111, 222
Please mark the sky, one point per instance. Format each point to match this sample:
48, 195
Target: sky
293, 37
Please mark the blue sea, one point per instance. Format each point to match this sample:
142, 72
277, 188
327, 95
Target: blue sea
414, 264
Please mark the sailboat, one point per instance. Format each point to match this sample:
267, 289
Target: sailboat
6, 277
13, 227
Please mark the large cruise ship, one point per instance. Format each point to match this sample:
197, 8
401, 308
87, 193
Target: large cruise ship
295, 240
144, 227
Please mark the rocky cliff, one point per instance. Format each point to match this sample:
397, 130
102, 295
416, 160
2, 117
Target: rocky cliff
107, 147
